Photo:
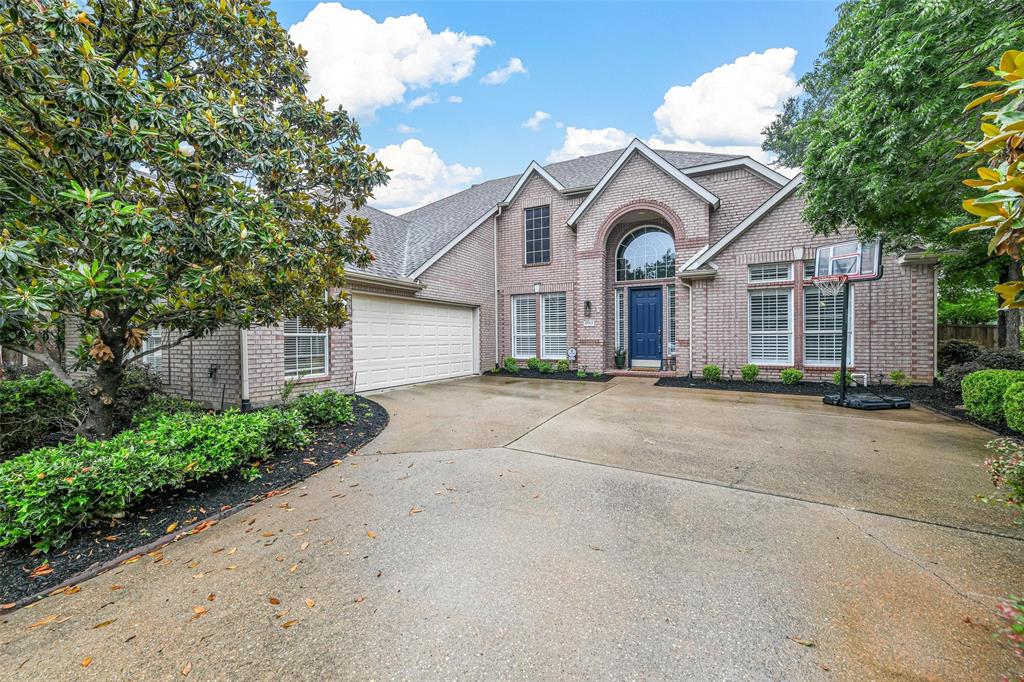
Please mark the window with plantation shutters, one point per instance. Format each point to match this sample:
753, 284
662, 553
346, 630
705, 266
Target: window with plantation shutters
769, 272
154, 340
305, 350
553, 328
770, 327
524, 326
823, 328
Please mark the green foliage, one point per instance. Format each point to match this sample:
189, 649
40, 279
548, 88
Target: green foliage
1004, 358
791, 375
872, 129
597, 375
285, 430
511, 366
581, 374
1011, 613
712, 372
158, 405
138, 386
33, 407
162, 167
749, 372
562, 366
1013, 406
956, 352
836, 377
324, 408
1006, 467
973, 307
983, 393
899, 378
533, 363
545, 367
45, 493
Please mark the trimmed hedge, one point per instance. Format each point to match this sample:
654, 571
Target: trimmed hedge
1013, 406
712, 373
33, 407
983, 393
749, 372
324, 408
46, 493
1004, 358
791, 375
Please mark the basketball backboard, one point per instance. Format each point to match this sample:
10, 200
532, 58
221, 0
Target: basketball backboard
859, 261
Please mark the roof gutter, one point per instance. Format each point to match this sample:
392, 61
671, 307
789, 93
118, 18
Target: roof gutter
380, 280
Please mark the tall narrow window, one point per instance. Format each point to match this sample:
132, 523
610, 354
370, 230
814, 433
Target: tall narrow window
620, 320
770, 327
671, 319
524, 326
305, 350
823, 328
538, 235
155, 360
553, 344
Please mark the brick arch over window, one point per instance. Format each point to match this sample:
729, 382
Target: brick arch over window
674, 222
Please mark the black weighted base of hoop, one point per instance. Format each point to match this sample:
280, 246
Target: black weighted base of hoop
867, 401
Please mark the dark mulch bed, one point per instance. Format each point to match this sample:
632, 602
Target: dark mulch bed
926, 396
150, 518
527, 373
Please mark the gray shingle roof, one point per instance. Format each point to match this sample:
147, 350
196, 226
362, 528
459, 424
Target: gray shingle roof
426, 230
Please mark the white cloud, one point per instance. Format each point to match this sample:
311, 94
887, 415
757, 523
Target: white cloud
584, 141
420, 101
455, 99
502, 74
533, 123
753, 151
731, 104
363, 65
559, 124
406, 129
418, 176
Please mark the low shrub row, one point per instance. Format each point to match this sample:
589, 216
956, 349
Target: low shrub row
47, 492
953, 376
32, 407
995, 396
324, 408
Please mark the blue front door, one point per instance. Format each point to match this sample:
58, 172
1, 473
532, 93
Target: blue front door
645, 324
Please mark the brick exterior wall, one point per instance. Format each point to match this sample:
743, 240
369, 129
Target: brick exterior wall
741, 191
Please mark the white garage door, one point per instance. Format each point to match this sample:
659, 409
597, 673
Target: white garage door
397, 342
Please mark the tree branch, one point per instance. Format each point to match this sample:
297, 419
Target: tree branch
166, 346
44, 358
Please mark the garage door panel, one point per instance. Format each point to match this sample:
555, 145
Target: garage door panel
399, 342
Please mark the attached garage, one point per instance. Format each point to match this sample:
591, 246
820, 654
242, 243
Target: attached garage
397, 341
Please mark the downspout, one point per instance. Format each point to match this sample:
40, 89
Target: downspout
243, 351
689, 321
497, 349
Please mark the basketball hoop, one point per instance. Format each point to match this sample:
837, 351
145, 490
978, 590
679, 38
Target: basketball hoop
830, 285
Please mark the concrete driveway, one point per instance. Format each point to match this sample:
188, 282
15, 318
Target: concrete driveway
510, 528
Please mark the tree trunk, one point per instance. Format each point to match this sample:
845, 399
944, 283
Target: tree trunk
101, 396
1008, 323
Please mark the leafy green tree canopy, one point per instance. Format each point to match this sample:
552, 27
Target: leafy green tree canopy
875, 129
161, 166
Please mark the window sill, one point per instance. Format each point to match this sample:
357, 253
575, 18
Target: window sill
309, 379
536, 265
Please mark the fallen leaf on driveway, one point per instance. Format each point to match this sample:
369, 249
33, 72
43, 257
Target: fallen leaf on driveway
310, 603
415, 510
358, 600
114, 588
596, 548
371, 534
170, 528
87, 661
294, 568
104, 624
275, 601
232, 551
186, 669
197, 612
289, 623
45, 620
801, 642
211, 597
4, 607
304, 545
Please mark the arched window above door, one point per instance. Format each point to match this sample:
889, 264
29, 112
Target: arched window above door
645, 253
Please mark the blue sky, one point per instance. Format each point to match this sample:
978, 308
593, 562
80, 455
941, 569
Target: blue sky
601, 72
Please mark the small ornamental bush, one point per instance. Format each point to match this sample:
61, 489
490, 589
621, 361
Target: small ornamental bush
159, 405
1013, 406
597, 375
899, 378
562, 366
836, 376
511, 366
956, 352
47, 492
1004, 358
791, 375
749, 372
33, 407
533, 363
983, 393
324, 408
581, 374
545, 367
285, 430
712, 372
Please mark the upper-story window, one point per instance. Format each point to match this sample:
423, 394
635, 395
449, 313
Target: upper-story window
538, 235
645, 253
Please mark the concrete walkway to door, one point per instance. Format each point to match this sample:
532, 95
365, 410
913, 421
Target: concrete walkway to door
513, 528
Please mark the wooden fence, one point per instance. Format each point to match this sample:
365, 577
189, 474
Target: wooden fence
981, 334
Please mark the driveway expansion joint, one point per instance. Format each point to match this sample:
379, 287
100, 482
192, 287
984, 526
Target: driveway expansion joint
533, 428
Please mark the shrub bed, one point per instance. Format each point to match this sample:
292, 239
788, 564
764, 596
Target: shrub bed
1013, 406
47, 492
952, 378
324, 408
32, 408
983, 393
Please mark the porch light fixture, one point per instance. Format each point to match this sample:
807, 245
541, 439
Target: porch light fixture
586, 308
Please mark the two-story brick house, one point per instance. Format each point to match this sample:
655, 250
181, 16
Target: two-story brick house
679, 259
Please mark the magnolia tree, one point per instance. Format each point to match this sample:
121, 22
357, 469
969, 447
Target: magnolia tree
161, 167
1000, 211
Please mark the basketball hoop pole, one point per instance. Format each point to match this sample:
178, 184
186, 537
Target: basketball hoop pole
843, 344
